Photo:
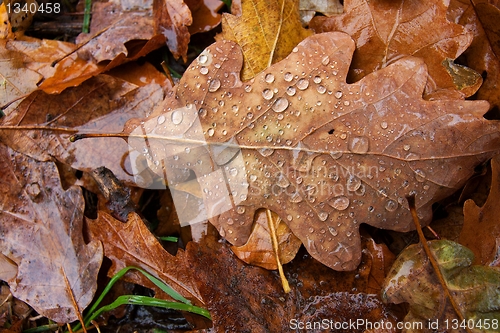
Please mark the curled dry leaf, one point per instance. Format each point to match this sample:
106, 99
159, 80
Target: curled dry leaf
41, 231
474, 288
267, 31
100, 104
132, 244
386, 31
481, 223
324, 155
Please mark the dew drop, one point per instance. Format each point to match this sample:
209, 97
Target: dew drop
248, 88
211, 132
203, 58
359, 144
269, 78
214, 85
240, 209
235, 108
204, 70
340, 203
311, 230
253, 178
280, 104
323, 216
317, 79
177, 117
353, 183
233, 172
249, 115
406, 147
282, 181
161, 119
289, 217
333, 231
419, 175
288, 77
291, 91
230, 221
321, 89
302, 84
391, 205
266, 152
267, 94
338, 94
202, 112
325, 61
295, 197
383, 125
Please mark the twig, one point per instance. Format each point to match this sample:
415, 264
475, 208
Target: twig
427, 250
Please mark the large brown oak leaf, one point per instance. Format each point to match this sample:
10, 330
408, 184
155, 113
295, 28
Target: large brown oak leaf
324, 155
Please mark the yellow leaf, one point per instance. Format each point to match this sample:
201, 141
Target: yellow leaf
267, 31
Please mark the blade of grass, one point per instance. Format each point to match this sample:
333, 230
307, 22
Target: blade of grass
150, 301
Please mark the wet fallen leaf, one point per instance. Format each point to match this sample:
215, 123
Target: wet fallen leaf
258, 250
172, 19
324, 155
16, 80
309, 8
255, 296
267, 31
481, 223
100, 104
386, 31
132, 244
205, 14
483, 55
41, 231
474, 288
120, 33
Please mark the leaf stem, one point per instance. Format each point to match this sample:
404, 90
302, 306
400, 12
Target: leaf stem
435, 266
272, 232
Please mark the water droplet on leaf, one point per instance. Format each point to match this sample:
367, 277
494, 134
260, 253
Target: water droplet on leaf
280, 104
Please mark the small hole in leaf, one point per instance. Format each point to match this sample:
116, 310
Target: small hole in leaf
331, 131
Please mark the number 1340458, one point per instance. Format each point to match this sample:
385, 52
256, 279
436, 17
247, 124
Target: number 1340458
33, 8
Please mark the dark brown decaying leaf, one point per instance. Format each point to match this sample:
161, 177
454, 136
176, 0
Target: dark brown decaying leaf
385, 31
324, 155
482, 222
41, 231
132, 244
205, 14
255, 296
101, 104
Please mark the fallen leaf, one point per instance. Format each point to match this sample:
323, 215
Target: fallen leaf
6, 28
16, 81
205, 15
386, 31
232, 289
41, 231
308, 9
132, 244
481, 223
324, 155
119, 34
172, 19
474, 288
99, 104
258, 250
267, 31
483, 55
